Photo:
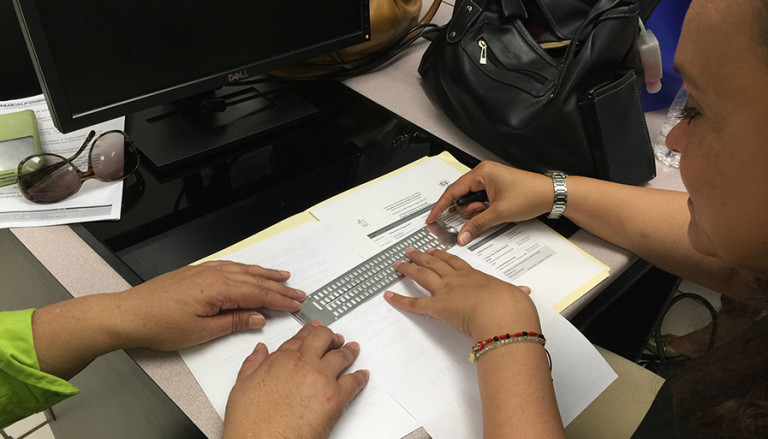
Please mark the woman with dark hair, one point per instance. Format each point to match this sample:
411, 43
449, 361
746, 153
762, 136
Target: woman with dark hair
715, 235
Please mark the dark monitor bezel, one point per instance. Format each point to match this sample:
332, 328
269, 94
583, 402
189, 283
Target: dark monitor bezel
62, 114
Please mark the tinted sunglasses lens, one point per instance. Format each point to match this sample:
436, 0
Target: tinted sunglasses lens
113, 157
47, 178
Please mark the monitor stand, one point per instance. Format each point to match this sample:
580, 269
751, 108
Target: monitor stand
178, 133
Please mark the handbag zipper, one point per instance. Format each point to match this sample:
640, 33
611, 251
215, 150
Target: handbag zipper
483, 51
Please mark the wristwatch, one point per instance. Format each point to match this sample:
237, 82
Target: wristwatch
561, 194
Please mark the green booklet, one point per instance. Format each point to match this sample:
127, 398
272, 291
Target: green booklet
19, 139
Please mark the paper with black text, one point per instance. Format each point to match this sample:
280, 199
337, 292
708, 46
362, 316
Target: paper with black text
313, 254
374, 216
419, 367
95, 201
378, 214
420, 375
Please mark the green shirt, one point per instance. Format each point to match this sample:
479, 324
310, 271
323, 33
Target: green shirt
24, 389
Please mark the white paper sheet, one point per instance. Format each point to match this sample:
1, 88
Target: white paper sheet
376, 216
313, 254
432, 378
94, 201
529, 253
420, 375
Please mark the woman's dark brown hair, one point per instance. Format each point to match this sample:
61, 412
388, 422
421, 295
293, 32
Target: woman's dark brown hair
724, 394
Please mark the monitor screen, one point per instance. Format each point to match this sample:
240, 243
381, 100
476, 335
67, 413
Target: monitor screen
17, 76
97, 60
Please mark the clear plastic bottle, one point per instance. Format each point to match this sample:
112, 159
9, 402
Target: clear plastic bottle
664, 154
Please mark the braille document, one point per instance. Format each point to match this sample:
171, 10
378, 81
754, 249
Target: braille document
341, 253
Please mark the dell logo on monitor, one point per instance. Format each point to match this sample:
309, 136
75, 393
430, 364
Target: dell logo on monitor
236, 76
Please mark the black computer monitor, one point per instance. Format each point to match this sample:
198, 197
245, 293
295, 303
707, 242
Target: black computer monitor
17, 75
144, 59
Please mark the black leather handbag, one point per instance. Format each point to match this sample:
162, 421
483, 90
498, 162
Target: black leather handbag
546, 84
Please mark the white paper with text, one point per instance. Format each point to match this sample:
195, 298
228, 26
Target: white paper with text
420, 375
94, 201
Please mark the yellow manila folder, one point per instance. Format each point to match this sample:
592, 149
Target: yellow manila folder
527, 253
334, 245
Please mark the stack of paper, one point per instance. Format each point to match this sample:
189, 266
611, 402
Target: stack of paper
420, 375
95, 201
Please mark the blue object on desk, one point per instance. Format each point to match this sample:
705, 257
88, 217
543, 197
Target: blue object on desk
666, 22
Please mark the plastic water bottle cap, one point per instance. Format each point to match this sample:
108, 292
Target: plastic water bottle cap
653, 87
650, 56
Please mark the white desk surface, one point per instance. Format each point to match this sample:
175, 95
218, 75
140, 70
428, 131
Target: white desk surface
397, 87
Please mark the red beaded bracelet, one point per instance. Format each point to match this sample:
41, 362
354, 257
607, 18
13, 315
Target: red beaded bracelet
484, 345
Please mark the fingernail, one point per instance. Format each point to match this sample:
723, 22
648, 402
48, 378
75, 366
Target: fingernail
526, 290
301, 293
340, 338
355, 346
409, 250
284, 273
464, 238
316, 323
256, 321
388, 294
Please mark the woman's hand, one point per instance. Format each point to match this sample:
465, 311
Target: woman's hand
468, 300
513, 195
195, 304
177, 310
297, 391
523, 403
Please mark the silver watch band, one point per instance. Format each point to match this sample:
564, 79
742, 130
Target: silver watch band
561, 194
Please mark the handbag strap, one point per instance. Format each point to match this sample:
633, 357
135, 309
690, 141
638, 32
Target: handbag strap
462, 19
513, 8
430, 14
413, 33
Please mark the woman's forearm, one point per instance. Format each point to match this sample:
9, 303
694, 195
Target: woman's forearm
69, 335
517, 393
516, 389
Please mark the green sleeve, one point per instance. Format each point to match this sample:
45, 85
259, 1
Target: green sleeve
24, 389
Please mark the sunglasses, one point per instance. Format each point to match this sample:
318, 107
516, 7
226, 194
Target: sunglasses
48, 178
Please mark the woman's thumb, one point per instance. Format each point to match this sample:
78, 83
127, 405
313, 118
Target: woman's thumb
473, 227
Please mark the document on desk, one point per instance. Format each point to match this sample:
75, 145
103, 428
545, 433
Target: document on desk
377, 214
304, 251
94, 201
420, 375
374, 216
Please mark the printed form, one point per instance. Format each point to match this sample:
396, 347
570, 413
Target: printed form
420, 375
376, 215
95, 201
